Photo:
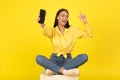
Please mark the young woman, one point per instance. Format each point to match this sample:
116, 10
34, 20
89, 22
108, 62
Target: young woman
63, 38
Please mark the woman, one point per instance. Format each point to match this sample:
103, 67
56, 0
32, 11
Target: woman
63, 37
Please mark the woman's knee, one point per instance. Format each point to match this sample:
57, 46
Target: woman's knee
84, 57
40, 59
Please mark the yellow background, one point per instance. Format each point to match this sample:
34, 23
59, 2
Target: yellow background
21, 39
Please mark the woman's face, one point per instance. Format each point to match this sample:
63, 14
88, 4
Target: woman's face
62, 18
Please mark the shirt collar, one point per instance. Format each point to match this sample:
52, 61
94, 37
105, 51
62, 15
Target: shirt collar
57, 29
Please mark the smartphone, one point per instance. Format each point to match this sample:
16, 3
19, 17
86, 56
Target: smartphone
42, 16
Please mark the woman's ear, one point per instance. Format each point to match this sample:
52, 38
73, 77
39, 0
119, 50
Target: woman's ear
57, 17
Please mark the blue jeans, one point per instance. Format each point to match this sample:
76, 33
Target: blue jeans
55, 62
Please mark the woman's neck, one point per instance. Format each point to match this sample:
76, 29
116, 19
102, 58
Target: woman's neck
61, 28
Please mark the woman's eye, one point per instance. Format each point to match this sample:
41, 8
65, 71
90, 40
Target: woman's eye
63, 15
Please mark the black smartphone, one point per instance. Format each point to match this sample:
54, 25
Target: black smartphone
42, 16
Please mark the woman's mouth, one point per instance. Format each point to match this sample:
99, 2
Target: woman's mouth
64, 21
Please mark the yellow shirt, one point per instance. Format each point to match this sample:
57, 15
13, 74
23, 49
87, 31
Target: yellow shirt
64, 43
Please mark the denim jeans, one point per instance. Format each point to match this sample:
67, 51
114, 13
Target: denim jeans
55, 62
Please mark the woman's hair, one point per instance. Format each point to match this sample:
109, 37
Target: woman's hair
56, 21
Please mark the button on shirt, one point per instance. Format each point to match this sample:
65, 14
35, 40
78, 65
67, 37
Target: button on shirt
64, 43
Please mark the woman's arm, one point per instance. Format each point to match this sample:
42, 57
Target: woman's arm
87, 32
46, 30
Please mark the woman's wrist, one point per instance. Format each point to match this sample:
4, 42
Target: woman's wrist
85, 22
42, 25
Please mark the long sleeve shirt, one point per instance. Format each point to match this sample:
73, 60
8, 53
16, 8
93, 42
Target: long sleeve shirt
64, 43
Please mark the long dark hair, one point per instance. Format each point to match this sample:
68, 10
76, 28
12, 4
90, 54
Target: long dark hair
56, 21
